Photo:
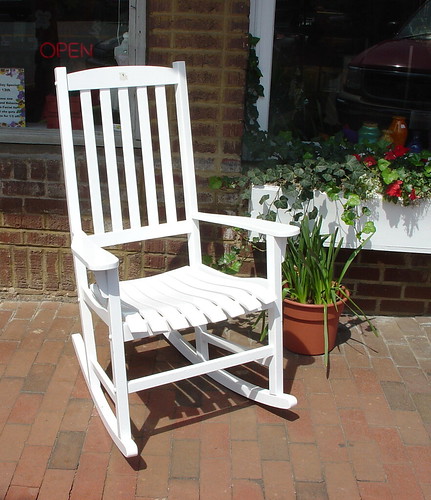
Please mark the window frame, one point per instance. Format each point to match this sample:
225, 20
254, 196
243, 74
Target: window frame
261, 25
137, 55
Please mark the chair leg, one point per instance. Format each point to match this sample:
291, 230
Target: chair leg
275, 339
201, 342
117, 424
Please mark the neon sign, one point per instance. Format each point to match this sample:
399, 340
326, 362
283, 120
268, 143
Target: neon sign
73, 50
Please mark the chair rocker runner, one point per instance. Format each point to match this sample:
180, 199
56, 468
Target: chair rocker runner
118, 193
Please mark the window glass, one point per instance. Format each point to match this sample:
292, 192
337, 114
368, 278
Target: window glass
419, 25
335, 64
38, 35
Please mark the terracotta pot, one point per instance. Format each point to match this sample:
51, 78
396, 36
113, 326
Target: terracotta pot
303, 326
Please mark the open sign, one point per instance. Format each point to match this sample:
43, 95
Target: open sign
73, 50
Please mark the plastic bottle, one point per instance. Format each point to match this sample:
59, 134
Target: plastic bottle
121, 52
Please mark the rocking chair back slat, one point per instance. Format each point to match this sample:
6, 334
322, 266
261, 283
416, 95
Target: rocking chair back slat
147, 155
165, 154
186, 146
92, 159
111, 160
129, 158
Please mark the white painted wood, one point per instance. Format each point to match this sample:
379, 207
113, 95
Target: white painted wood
165, 154
92, 159
68, 152
398, 228
262, 16
129, 158
188, 297
111, 159
121, 77
126, 445
147, 156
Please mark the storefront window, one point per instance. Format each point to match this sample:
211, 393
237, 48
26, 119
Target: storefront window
314, 44
36, 36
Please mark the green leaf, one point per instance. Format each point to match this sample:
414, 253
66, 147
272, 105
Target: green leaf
353, 200
333, 193
383, 164
207, 260
369, 227
313, 214
264, 198
281, 203
389, 176
348, 217
215, 182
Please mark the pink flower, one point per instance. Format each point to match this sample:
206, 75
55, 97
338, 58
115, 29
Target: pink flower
394, 189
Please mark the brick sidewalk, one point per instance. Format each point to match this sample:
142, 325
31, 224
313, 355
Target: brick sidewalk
362, 432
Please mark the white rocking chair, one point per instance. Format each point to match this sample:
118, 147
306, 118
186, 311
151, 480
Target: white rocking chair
133, 200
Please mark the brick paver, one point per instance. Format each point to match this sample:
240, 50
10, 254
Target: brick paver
361, 429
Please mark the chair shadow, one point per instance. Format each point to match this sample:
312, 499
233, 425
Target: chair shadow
190, 401
178, 405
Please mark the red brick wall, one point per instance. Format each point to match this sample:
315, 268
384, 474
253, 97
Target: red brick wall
211, 37
391, 283
381, 282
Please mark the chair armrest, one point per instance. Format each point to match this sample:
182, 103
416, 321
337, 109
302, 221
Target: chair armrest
92, 256
276, 229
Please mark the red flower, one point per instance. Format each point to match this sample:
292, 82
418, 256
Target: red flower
390, 155
394, 189
369, 161
396, 152
400, 150
358, 157
412, 194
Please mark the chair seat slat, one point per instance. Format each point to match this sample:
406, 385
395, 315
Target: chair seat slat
186, 280
180, 299
255, 286
198, 310
207, 282
159, 314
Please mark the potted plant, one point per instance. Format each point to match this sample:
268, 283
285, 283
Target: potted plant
313, 292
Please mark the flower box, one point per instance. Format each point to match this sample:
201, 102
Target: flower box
398, 228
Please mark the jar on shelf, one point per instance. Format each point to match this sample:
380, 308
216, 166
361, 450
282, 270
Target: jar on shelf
369, 132
399, 130
415, 143
386, 136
